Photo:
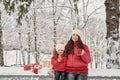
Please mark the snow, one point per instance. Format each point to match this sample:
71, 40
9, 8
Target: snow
104, 72
44, 22
21, 71
10, 60
14, 57
44, 72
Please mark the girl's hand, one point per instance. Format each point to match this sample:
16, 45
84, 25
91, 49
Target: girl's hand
59, 58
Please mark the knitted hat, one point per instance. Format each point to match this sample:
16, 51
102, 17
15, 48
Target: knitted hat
60, 41
77, 31
59, 47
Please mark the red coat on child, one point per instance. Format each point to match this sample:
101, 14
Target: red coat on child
59, 66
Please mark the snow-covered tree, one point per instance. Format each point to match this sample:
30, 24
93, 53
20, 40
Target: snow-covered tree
112, 24
10, 6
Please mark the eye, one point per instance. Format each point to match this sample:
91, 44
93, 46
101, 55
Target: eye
75, 35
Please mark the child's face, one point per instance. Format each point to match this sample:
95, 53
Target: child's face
60, 51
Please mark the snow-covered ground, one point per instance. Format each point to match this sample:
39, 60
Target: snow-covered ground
21, 71
104, 72
10, 59
44, 71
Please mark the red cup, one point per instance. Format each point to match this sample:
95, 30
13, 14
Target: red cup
35, 70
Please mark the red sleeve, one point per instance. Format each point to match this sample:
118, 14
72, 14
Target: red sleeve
86, 56
54, 61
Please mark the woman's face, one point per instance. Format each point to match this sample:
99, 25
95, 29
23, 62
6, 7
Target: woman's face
75, 37
60, 51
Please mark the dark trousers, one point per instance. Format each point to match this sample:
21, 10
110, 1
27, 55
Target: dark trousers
76, 76
60, 75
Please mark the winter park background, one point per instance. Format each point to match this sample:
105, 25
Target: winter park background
32, 39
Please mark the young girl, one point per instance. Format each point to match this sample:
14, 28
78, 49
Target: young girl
58, 62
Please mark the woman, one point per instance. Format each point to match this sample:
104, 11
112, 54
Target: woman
78, 57
59, 62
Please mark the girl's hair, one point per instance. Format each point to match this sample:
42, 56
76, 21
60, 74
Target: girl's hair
69, 48
54, 52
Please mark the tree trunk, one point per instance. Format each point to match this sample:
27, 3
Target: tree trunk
1, 46
21, 47
29, 45
35, 39
35, 36
29, 39
112, 23
54, 23
76, 13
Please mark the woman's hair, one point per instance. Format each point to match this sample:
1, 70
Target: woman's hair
69, 48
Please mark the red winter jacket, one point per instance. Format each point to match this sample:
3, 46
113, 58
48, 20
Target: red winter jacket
77, 62
59, 66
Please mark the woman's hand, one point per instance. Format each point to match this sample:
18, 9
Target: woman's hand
80, 52
83, 52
